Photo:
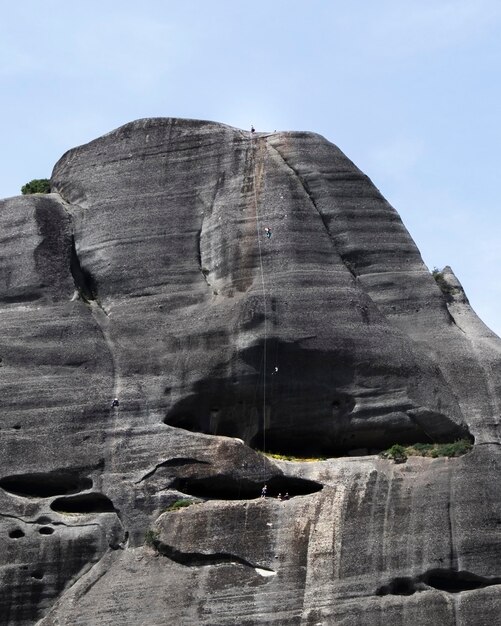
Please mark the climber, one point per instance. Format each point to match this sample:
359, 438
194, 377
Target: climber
275, 371
263, 491
279, 497
253, 130
115, 403
268, 232
287, 496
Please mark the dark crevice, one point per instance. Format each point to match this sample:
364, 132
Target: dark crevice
84, 281
198, 559
454, 582
19, 298
349, 264
45, 485
84, 503
45, 520
16, 534
176, 462
449, 580
228, 488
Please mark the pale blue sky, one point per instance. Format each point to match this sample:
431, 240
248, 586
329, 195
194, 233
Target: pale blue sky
409, 90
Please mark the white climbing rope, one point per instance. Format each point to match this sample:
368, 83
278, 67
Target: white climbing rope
258, 233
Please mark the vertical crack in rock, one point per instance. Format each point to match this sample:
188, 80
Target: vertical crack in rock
86, 286
208, 208
453, 557
84, 281
309, 195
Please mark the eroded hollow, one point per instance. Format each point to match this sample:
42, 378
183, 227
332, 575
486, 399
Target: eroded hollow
312, 406
398, 587
449, 580
455, 582
17, 533
227, 488
84, 503
45, 485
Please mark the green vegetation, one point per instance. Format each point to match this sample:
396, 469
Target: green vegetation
150, 537
179, 504
396, 453
399, 453
37, 185
443, 285
288, 457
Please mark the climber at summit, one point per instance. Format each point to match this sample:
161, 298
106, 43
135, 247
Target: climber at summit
263, 491
253, 130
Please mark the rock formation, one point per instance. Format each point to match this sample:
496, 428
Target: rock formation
147, 276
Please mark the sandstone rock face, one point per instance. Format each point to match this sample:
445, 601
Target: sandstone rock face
148, 276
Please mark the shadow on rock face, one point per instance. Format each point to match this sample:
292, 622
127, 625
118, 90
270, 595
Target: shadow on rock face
45, 485
315, 405
449, 580
84, 503
229, 488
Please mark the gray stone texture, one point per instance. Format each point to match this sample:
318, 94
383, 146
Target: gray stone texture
147, 275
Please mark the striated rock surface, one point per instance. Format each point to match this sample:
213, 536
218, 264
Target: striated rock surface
147, 275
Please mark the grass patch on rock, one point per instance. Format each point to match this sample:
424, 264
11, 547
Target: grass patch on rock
400, 454
290, 457
182, 503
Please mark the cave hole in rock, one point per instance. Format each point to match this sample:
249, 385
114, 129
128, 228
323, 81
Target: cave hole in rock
449, 580
17, 533
37, 574
84, 503
454, 581
398, 587
228, 412
46, 530
45, 485
16, 427
228, 488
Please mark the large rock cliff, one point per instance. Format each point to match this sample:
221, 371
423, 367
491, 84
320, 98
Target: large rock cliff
237, 293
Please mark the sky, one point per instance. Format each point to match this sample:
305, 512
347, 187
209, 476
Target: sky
408, 89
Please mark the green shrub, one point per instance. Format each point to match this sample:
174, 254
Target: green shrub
399, 453
37, 185
458, 448
443, 285
396, 453
179, 504
150, 537
423, 448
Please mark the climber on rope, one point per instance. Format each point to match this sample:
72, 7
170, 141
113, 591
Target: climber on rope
115, 403
275, 371
268, 232
263, 491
